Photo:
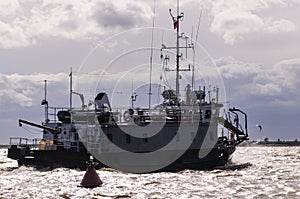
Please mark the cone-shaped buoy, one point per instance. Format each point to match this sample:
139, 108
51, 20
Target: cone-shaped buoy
91, 178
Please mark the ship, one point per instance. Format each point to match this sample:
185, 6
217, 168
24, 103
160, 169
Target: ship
174, 135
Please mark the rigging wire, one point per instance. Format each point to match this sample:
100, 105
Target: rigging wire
195, 47
30, 130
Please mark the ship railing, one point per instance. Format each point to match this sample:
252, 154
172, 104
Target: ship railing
80, 116
184, 114
40, 144
188, 114
52, 112
25, 142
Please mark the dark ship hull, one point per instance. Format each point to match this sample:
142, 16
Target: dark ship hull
78, 161
41, 159
49, 159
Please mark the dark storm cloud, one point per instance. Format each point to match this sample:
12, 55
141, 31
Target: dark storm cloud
109, 15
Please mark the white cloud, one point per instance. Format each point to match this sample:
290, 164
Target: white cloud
272, 85
232, 20
278, 26
24, 23
233, 24
21, 91
288, 72
269, 89
12, 36
26, 90
9, 8
234, 69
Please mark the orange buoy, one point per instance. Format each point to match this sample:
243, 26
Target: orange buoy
91, 178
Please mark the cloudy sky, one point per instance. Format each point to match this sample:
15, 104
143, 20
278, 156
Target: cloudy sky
255, 45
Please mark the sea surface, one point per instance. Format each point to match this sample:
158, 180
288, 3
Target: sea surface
255, 172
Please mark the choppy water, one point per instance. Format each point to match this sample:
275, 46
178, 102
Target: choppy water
274, 173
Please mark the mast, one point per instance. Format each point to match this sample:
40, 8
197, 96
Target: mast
71, 82
176, 21
177, 54
45, 103
151, 56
